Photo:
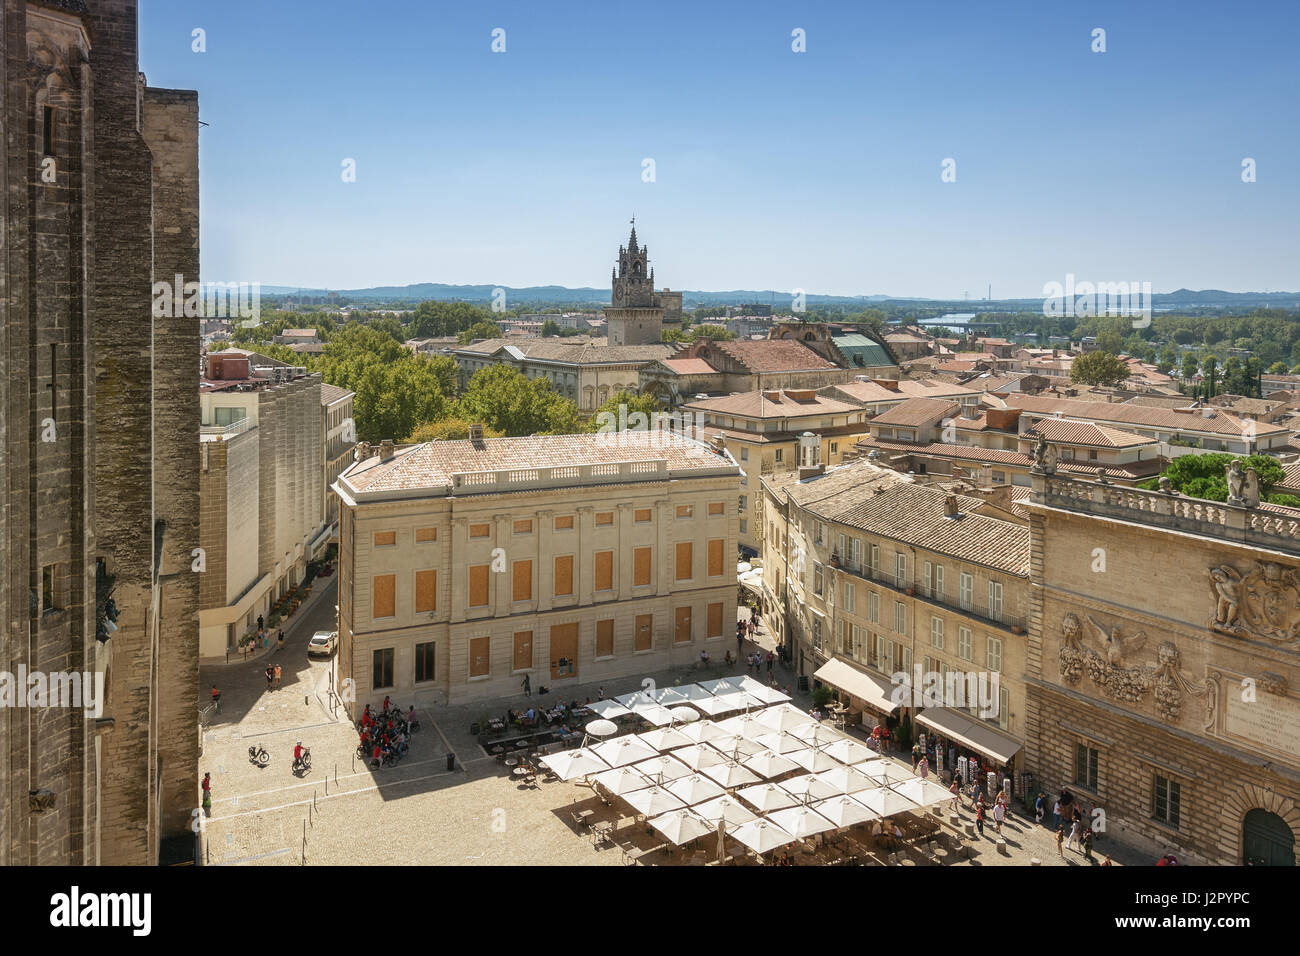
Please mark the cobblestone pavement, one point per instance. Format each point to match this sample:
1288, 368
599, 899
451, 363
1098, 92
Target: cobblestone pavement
419, 812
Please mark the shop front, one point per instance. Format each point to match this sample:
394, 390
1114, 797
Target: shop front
868, 698
959, 744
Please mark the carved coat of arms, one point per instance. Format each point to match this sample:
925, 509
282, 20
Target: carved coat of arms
1263, 602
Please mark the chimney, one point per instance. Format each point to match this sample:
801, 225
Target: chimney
475, 432
950, 506
386, 449
363, 451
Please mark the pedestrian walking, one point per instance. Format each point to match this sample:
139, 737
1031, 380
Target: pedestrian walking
979, 817
270, 676
279, 640
1056, 815
771, 662
1087, 843
1040, 807
1074, 835
528, 686
916, 755
277, 676
999, 814
1060, 836
923, 768
955, 790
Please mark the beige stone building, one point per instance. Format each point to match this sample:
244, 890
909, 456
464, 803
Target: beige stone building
867, 575
1164, 667
262, 482
338, 439
467, 565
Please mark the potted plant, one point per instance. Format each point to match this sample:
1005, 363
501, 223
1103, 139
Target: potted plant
835, 560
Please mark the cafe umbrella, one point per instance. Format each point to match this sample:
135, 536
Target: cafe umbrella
624, 750
681, 825
568, 764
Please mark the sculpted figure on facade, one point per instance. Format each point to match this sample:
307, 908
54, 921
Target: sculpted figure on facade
1263, 603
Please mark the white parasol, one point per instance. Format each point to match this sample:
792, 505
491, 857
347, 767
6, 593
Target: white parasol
814, 761
663, 769
784, 717
699, 756
608, 708
800, 822
886, 772
850, 751
761, 835
568, 764
653, 801
624, 750
781, 743
846, 779
924, 793
844, 811
694, 789
664, 738
601, 727
731, 774
766, 763
766, 797
808, 788
622, 780
884, 801
728, 809
681, 825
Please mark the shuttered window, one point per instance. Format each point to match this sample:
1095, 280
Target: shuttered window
479, 660
385, 586
644, 637
715, 508
523, 650
605, 638
715, 620
425, 534
564, 575
641, 566
480, 531
522, 580
684, 554
715, 557
385, 539
478, 584
426, 591
682, 628
604, 570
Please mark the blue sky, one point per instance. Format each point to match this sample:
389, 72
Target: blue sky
773, 169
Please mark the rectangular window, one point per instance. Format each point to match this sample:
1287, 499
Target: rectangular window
640, 567
480, 662
855, 553
715, 508
381, 668
744, 526
875, 557
604, 518
817, 578
521, 576
564, 575
873, 607
604, 570
900, 570
967, 595
523, 659
900, 617
995, 601
715, 557
644, 636
48, 131
425, 534
994, 661
1168, 801
927, 578
564, 650
685, 552
641, 515
1004, 708
715, 620
480, 531
936, 632
385, 586
51, 599
424, 669
964, 643
1085, 766
685, 511
780, 454
744, 453
938, 590
850, 598
743, 503
426, 591
478, 584
682, 625
385, 539
605, 638
564, 523
523, 526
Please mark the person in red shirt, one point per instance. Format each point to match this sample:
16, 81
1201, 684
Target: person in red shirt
207, 782
297, 752
377, 753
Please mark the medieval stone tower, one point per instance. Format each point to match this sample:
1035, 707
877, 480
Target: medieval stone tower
99, 426
636, 317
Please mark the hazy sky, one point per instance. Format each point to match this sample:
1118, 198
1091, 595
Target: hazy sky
773, 169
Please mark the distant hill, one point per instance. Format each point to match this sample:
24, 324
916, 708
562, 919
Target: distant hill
691, 298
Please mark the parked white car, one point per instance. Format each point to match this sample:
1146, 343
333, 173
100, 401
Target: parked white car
322, 642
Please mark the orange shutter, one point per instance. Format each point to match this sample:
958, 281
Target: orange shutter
523, 581
564, 575
684, 551
715, 557
385, 595
385, 538
523, 650
426, 591
641, 566
478, 584
604, 570
644, 632
426, 534
479, 659
605, 638
682, 634
715, 507
715, 620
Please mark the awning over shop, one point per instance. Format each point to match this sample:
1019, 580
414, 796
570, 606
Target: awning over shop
875, 691
970, 733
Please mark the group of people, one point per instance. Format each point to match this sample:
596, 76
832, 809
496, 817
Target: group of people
1068, 818
272, 676
386, 734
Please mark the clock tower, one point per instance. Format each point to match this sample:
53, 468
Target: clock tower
635, 316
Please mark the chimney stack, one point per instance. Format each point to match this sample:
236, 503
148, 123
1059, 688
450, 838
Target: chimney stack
950, 506
475, 432
363, 451
386, 449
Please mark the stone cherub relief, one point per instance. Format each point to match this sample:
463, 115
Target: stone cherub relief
1117, 680
1243, 486
1044, 457
1263, 602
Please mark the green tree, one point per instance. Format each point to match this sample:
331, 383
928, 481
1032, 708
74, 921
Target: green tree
508, 401
1098, 368
645, 404
1205, 476
1277, 368
1110, 341
448, 429
480, 330
550, 327
1190, 367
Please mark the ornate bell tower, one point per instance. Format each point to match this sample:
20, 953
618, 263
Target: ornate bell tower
635, 317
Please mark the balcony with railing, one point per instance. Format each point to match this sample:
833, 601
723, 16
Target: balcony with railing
224, 432
995, 615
